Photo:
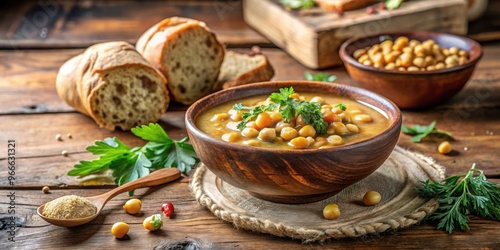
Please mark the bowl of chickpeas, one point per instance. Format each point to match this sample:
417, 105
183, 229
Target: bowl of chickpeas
293, 141
413, 69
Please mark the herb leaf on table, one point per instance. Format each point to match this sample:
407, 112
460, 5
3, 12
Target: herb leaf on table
419, 131
320, 77
460, 196
298, 4
129, 164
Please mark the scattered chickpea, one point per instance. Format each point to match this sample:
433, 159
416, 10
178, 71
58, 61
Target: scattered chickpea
59, 137
46, 190
65, 153
299, 142
132, 206
120, 229
69, 135
372, 198
331, 211
444, 147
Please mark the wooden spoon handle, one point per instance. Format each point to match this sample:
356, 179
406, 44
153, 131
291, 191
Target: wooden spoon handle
153, 179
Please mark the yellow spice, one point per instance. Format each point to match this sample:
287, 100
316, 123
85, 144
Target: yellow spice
69, 207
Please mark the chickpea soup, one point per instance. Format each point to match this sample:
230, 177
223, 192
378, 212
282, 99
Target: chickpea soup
289, 120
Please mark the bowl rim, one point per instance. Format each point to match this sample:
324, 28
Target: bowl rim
350, 60
394, 123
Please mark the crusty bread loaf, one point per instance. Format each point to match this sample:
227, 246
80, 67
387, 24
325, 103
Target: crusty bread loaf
344, 5
187, 53
112, 83
238, 69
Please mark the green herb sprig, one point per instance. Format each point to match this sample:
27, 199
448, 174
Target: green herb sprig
393, 4
463, 195
289, 108
128, 164
320, 77
298, 4
419, 131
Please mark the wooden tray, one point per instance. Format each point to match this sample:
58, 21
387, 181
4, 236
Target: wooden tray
313, 37
395, 180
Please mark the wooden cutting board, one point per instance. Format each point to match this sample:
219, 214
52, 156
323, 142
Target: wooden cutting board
313, 37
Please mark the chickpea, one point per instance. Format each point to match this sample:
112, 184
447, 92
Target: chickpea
444, 147
337, 110
252, 124
440, 65
431, 67
220, 117
403, 40
120, 229
344, 117
280, 125
363, 118
372, 198
413, 68
408, 50
320, 141
233, 126
307, 130
230, 137
352, 128
354, 111
358, 53
406, 59
288, 133
250, 132
387, 43
453, 50
331, 211
263, 120
132, 206
462, 60
300, 121
378, 58
428, 61
299, 143
310, 141
46, 190
413, 43
402, 69
295, 96
339, 128
335, 140
363, 58
445, 52
367, 63
317, 99
267, 134
328, 116
419, 62
235, 115
463, 53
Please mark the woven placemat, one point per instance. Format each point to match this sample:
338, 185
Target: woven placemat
395, 180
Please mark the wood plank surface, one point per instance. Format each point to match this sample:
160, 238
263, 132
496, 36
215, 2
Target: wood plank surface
51, 23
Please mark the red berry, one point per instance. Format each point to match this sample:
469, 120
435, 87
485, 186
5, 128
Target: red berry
167, 209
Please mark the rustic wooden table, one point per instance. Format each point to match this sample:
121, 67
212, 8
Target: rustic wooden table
36, 37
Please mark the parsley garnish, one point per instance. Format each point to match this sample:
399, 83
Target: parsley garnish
289, 108
320, 77
298, 4
419, 131
462, 195
129, 164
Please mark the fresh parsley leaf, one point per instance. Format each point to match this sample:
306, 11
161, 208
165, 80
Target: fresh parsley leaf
341, 106
419, 131
393, 4
463, 195
321, 77
311, 112
253, 113
298, 4
129, 164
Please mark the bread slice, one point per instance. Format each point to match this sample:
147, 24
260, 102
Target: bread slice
112, 83
344, 5
238, 69
187, 53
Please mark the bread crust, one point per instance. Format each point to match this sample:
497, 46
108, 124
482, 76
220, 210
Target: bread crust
152, 45
263, 72
81, 76
344, 5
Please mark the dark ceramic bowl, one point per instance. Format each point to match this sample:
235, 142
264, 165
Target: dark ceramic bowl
415, 89
293, 176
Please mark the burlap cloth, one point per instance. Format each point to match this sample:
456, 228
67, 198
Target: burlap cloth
395, 180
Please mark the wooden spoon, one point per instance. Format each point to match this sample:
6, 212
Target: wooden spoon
155, 178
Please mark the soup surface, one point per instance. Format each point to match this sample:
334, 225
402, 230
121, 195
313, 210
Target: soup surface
292, 121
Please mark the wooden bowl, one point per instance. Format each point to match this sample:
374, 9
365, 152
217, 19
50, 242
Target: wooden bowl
293, 176
415, 89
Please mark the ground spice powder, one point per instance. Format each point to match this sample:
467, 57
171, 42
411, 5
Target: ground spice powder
69, 207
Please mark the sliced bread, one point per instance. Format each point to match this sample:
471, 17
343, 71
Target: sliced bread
187, 53
112, 83
238, 69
